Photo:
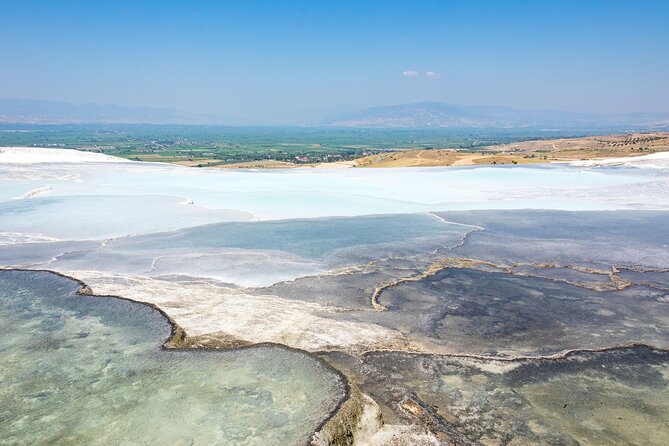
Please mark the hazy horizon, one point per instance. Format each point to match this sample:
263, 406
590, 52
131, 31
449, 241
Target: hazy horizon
271, 62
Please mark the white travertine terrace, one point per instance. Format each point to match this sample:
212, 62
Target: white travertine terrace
658, 160
206, 254
202, 309
37, 155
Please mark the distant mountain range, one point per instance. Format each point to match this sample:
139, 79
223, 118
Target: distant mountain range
29, 111
438, 115
423, 115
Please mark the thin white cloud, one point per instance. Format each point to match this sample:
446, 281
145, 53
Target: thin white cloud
432, 75
409, 73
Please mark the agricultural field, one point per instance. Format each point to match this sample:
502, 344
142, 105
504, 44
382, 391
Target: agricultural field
213, 146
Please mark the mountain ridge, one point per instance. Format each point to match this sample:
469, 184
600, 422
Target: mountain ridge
36, 111
417, 115
431, 114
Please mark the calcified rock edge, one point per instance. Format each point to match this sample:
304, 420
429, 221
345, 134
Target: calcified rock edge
474, 337
356, 419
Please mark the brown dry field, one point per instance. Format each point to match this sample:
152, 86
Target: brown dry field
436, 157
263, 164
525, 152
196, 162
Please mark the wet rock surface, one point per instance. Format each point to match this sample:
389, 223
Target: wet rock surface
612, 397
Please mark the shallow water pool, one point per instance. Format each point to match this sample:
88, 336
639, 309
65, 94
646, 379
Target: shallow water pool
90, 370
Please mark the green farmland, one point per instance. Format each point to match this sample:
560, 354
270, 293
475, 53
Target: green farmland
217, 145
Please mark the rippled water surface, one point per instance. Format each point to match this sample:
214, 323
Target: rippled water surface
91, 370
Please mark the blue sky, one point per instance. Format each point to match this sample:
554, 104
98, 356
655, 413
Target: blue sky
256, 60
